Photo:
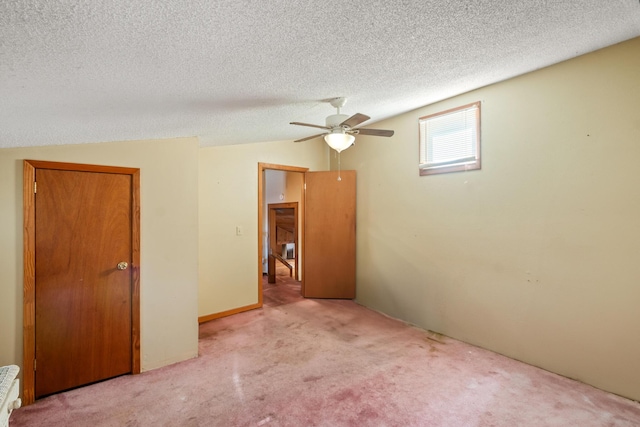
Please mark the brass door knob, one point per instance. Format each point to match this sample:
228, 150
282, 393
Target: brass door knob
123, 265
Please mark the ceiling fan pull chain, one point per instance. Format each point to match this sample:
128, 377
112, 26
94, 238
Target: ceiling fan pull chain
339, 179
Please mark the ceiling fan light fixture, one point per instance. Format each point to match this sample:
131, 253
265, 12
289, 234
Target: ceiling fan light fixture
339, 140
340, 128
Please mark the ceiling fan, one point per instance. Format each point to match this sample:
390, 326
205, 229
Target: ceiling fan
340, 128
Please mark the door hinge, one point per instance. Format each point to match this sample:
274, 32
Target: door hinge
35, 187
34, 364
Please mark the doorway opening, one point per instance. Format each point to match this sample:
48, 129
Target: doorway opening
327, 231
279, 185
283, 240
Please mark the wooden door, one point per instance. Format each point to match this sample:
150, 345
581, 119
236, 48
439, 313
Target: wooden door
83, 297
330, 235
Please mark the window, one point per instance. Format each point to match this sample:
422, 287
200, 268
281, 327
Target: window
450, 140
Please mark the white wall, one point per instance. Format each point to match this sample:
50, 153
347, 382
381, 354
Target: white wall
535, 256
229, 198
169, 241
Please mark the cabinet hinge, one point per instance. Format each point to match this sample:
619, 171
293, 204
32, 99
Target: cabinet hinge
35, 187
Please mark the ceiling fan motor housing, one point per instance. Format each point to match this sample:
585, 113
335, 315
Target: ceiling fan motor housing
334, 120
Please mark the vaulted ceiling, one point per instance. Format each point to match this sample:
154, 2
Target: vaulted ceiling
237, 71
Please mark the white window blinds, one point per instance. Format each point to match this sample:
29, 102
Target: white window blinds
450, 138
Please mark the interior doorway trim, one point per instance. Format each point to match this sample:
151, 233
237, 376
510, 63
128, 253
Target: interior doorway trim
29, 244
262, 167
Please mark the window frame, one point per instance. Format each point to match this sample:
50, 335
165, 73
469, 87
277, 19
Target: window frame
462, 164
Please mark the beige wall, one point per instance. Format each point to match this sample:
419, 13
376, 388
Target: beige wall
536, 256
229, 198
169, 241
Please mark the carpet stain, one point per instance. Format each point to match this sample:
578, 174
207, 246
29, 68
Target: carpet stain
434, 336
347, 394
261, 370
367, 414
207, 334
266, 420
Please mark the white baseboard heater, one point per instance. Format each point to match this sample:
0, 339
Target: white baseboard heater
9, 392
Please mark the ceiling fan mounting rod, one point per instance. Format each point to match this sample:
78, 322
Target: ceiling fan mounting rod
338, 103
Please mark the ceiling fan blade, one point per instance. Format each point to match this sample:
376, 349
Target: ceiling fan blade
355, 120
310, 137
375, 132
308, 124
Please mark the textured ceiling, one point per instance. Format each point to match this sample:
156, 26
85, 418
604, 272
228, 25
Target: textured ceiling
239, 71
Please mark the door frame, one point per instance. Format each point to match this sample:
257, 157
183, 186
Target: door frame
29, 244
262, 167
